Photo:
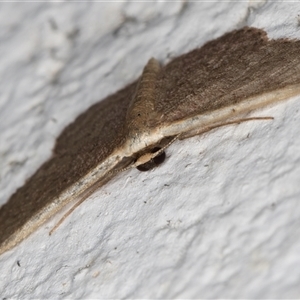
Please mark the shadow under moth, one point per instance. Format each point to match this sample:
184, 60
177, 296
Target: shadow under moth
206, 88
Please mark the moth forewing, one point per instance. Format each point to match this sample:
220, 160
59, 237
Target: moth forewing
196, 125
78, 191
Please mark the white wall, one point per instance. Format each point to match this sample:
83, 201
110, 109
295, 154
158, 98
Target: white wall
220, 219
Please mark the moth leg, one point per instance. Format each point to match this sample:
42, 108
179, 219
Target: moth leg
209, 128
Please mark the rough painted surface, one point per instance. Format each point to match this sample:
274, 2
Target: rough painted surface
219, 219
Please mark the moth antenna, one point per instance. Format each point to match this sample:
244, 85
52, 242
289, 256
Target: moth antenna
66, 215
166, 146
112, 172
83, 196
237, 121
148, 156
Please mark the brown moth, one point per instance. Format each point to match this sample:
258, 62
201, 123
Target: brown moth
196, 92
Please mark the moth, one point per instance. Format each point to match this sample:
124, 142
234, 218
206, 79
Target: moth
208, 87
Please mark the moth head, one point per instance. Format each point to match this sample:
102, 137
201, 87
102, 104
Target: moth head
154, 155
148, 161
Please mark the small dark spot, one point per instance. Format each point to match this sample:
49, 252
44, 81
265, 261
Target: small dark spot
145, 202
18, 263
154, 162
53, 24
71, 35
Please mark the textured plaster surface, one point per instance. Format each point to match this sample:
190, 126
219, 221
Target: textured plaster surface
219, 219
